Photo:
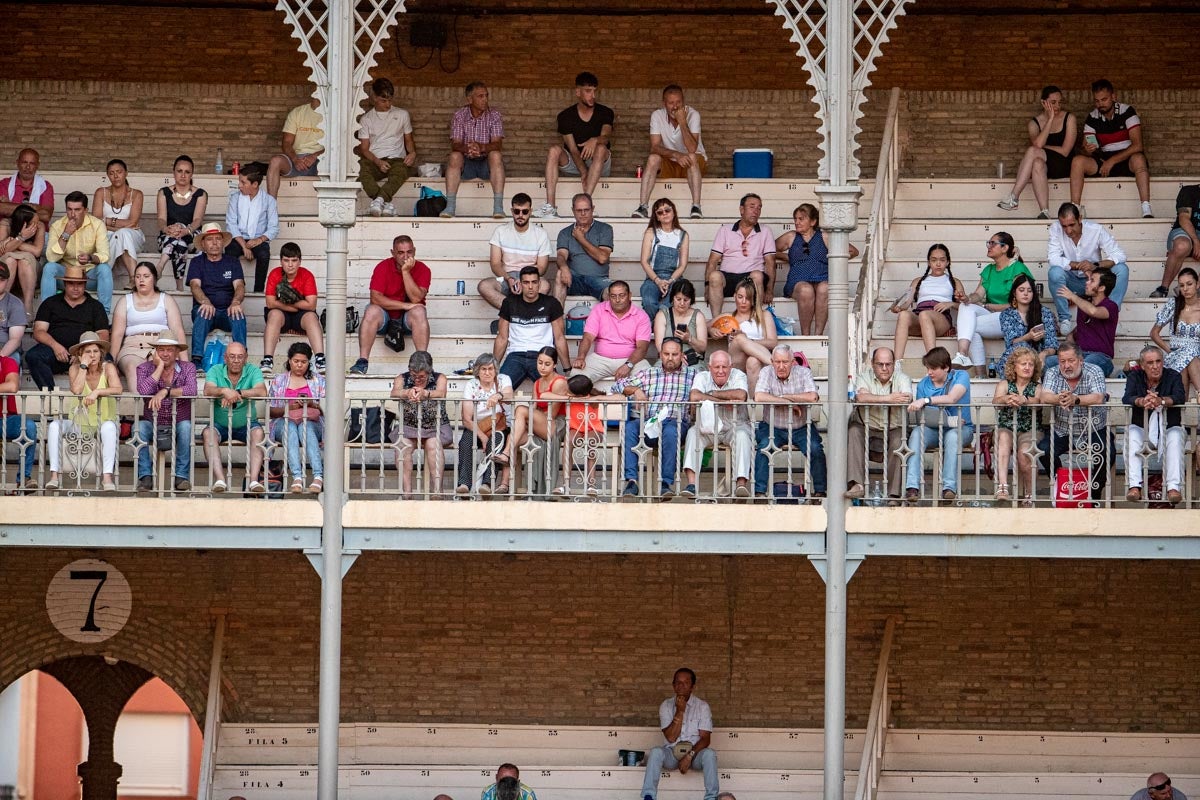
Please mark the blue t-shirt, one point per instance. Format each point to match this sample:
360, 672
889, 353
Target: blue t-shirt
216, 278
600, 235
957, 377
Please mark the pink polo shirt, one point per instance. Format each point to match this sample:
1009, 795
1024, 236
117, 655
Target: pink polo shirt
11, 191
616, 337
728, 242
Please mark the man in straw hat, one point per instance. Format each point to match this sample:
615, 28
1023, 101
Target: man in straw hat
218, 288
166, 381
61, 319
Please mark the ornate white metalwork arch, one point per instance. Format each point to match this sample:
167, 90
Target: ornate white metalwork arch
873, 21
309, 20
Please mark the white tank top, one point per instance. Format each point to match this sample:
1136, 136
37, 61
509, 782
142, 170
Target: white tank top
151, 321
940, 290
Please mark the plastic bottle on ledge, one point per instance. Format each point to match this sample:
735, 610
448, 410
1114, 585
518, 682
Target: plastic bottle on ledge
877, 495
220, 166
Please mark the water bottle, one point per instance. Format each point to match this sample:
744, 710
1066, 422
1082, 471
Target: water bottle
220, 167
877, 495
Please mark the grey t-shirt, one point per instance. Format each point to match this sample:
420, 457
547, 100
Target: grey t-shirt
1144, 794
600, 235
12, 313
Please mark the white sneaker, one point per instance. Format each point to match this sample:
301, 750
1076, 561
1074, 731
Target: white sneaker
376, 208
962, 360
389, 210
1065, 326
1008, 204
219, 486
545, 211
1147, 212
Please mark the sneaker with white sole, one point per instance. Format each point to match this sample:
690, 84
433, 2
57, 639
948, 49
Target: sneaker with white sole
545, 211
696, 213
319, 363
267, 366
389, 210
360, 367
641, 212
962, 360
1065, 326
376, 208
1009, 203
1147, 212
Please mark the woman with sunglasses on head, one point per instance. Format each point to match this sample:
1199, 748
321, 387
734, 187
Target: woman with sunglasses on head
807, 251
664, 255
979, 316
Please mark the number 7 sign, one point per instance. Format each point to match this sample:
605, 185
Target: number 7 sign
89, 600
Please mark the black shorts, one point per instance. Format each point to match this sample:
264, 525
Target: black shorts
1120, 170
732, 279
291, 320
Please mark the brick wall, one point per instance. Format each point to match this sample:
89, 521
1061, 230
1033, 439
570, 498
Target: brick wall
1002, 644
926, 51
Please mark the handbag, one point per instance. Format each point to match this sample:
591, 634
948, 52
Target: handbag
496, 422
214, 353
376, 429
286, 293
431, 203
352, 319
394, 338
936, 417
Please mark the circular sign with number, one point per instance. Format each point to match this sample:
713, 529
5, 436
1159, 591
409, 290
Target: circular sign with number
89, 600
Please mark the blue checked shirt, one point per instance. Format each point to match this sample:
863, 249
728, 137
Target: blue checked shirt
667, 391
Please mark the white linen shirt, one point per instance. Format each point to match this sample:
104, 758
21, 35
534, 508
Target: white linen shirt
697, 716
1094, 239
739, 414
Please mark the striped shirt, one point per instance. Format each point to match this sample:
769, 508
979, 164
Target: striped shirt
1112, 134
484, 129
667, 391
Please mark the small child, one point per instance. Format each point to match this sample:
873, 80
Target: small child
585, 428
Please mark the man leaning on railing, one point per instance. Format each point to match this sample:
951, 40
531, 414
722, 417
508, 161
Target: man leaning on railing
168, 383
1078, 424
878, 430
1155, 393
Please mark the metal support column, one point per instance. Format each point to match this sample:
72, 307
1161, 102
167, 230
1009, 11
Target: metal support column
335, 199
212, 712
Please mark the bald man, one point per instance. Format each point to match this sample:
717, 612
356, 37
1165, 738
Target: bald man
1158, 787
234, 416
443, 797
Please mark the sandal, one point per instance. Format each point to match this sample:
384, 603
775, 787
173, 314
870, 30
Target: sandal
298, 486
316, 486
1027, 501
502, 489
1002, 491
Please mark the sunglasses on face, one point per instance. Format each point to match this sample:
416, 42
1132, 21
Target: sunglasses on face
521, 212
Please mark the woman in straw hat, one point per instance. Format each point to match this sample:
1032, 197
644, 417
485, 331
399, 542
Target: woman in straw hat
96, 383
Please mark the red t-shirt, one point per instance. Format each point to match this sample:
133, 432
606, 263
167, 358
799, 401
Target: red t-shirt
305, 283
9, 366
389, 282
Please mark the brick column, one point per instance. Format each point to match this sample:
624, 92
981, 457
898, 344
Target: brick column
102, 690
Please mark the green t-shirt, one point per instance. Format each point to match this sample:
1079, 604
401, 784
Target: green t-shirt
998, 283
219, 376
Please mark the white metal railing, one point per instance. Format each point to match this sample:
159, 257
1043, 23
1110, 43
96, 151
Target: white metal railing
877, 723
883, 204
919, 460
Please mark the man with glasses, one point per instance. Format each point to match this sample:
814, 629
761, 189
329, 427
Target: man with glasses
385, 149
234, 417
26, 186
1154, 394
746, 247
880, 429
616, 337
584, 250
1158, 787
1075, 250
515, 245
785, 390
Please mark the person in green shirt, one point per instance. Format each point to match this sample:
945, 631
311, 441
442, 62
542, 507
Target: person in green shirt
234, 417
979, 316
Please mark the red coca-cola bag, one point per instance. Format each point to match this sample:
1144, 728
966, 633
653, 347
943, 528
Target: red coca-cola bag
1072, 489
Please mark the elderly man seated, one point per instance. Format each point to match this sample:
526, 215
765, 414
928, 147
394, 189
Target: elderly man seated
660, 414
1155, 393
725, 421
878, 429
234, 417
784, 387
1079, 423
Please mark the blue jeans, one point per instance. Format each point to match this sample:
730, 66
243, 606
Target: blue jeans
1059, 277
668, 450
12, 431
1089, 357
798, 438
953, 440
221, 320
312, 433
99, 280
594, 285
661, 758
519, 366
183, 448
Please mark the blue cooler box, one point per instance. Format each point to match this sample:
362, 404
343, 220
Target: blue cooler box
755, 163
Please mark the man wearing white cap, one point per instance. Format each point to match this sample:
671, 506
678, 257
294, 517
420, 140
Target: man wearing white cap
218, 288
165, 381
